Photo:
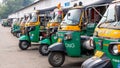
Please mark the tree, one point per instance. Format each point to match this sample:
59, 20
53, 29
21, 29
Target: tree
10, 6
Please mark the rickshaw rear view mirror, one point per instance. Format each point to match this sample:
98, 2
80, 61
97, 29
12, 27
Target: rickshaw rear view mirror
68, 14
118, 12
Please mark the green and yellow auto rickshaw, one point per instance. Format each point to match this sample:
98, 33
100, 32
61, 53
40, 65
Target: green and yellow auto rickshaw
52, 26
107, 40
15, 29
20, 27
75, 33
23, 23
33, 31
4, 22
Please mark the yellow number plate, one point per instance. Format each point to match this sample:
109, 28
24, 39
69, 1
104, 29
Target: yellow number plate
59, 40
99, 54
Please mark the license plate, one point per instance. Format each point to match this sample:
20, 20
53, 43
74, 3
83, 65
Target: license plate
59, 40
99, 54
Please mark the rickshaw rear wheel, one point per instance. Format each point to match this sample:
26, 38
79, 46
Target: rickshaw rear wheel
14, 33
56, 59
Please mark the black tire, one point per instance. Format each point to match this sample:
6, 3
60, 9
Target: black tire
43, 49
14, 33
23, 45
56, 59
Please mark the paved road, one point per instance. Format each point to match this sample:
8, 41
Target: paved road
12, 57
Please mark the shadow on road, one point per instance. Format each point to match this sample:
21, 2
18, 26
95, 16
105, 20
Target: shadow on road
71, 65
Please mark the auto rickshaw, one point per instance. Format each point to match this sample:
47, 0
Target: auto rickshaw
15, 29
5, 22
33, 31
73, 37
52, 27
107, 40
25, 20
19, 27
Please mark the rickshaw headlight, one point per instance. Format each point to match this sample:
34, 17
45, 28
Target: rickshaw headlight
114, 49
89, 44
68, 36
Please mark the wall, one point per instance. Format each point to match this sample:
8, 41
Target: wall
39, 5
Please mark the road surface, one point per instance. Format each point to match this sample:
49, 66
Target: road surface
12, 57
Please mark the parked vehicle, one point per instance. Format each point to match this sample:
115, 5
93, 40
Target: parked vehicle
15, 29
74, 33
33, 31
7, 22
52, 27
25, 20
107, 40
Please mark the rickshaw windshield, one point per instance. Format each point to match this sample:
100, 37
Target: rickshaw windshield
23, 20
109, 18
72, 17
34, 18
28, 20
57, 16
19, 21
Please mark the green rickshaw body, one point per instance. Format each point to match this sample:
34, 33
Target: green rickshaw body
72, 45
115, 60
34, 35
90, 29
49, 40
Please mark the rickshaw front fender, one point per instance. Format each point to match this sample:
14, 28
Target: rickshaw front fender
24, 37
95, 62
57, 47
45, 41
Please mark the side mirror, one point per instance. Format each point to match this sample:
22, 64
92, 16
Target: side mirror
68, 14
118, 13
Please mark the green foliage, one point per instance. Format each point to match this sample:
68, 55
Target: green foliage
10, 6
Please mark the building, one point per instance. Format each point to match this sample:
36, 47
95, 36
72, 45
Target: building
39, 5
44, 4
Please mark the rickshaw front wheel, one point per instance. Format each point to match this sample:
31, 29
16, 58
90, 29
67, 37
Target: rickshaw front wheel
56, 59
43, 49
23, 45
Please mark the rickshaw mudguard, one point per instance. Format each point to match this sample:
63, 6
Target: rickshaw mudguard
95, 62
45, 41
17, 31
24, 37
57, 47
